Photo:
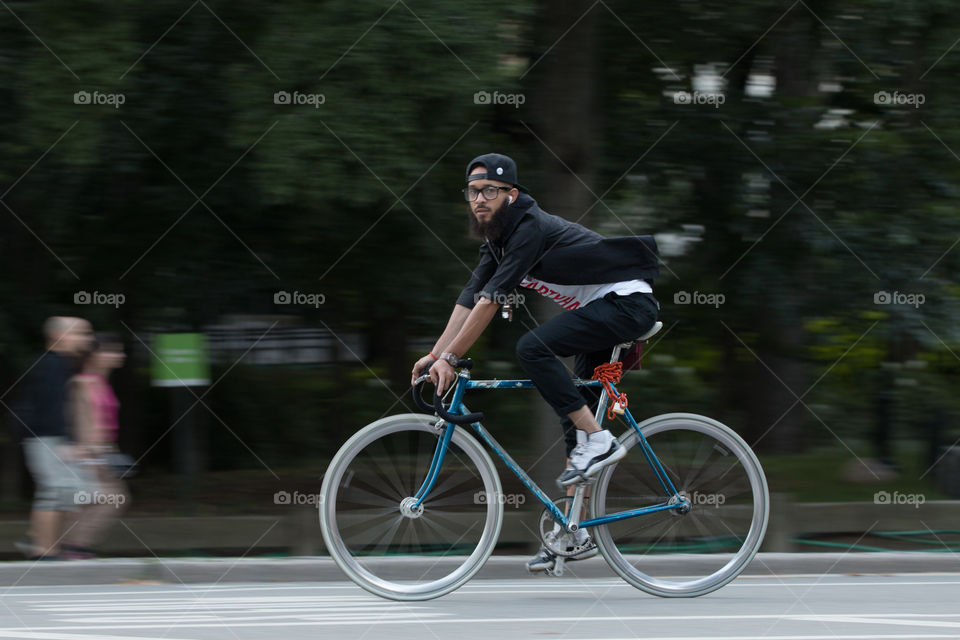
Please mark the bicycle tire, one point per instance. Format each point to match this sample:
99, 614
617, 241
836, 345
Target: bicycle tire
467, 466
682, 547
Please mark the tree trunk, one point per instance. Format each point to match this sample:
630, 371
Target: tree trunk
562, 114
780, 372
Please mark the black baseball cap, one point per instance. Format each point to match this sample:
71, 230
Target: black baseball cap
498, 166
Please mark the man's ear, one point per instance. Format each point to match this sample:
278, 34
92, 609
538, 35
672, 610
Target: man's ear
514, 194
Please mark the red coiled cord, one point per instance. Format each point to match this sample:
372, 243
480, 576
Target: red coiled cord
607, 373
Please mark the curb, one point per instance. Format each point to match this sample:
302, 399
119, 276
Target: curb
323, 569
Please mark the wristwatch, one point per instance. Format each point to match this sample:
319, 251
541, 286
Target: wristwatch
451, 358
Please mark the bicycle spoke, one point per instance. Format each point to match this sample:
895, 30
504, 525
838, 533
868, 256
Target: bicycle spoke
449, 487
733, 479
441, 525
724, 456
700, 457
390, 531
376, 500
388, 472
722, 526
370, 521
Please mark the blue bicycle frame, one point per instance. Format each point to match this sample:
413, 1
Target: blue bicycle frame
673, 499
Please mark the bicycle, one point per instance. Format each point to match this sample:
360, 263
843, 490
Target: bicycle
409, 488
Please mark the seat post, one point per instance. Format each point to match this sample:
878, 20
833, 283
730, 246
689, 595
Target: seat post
601, 408
615, 357
616, 353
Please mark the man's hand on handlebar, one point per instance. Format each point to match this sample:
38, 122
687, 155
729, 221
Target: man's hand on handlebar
442, 375
420, 367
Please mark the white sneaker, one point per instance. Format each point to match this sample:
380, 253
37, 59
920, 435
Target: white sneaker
542, 561
581, 440
581, 537
585, 546
600, 449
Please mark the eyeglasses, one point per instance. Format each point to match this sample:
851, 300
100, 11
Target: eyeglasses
490, 192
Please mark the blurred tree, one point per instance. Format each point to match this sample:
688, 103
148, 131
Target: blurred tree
798, 180
799, 198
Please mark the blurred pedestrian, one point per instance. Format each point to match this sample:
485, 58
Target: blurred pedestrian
94, 408
47, 444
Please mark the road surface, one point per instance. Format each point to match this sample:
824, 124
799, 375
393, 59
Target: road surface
808, 607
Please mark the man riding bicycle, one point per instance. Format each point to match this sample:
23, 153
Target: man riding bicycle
603, 283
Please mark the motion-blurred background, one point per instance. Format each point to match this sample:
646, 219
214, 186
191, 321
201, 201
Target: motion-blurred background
285, 179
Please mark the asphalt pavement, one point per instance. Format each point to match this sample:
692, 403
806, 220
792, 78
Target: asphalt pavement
824, 606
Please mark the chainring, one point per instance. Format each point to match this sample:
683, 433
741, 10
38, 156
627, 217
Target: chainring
555, 538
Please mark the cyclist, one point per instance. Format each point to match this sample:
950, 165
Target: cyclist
603, 283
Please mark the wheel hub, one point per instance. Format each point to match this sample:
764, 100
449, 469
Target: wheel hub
410, 509
683, 500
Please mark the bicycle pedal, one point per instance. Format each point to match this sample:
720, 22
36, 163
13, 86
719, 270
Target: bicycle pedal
557, 569
585, 482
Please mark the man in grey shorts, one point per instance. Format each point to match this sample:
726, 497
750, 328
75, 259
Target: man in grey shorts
47, 444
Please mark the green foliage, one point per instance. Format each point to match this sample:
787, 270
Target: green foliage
358, 198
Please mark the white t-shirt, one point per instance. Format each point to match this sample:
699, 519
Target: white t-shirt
575, 296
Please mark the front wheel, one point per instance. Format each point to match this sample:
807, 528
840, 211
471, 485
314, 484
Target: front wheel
385, 542
692, 551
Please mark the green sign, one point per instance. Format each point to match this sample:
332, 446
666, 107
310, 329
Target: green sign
180, 360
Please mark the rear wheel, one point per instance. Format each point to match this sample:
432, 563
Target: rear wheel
376, 533
673, 553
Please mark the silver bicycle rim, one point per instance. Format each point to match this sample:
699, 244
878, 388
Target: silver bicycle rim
680, 586
404, 590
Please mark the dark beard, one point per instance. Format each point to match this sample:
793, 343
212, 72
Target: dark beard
493, 228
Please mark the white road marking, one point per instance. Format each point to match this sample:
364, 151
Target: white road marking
36, 635
427, 618
831, 636
565, 585
862, 619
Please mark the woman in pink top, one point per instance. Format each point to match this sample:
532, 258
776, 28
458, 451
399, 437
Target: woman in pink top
94, 408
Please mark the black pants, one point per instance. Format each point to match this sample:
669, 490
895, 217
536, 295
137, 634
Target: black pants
588, 333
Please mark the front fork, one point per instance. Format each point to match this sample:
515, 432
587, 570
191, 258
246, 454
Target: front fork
441, 451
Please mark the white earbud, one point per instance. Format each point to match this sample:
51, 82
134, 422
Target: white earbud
509, 199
